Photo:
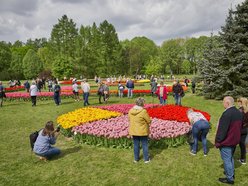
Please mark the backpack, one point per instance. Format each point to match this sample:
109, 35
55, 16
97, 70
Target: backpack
33, 137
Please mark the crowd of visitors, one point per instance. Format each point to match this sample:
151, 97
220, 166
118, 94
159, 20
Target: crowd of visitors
232, 128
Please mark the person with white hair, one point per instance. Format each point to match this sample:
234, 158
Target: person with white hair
200, 127
228, 136
33, 93
139, 129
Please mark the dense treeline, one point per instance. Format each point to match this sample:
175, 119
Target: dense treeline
96, 50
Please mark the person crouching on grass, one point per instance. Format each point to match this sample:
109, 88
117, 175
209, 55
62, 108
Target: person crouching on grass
46, 138
139, 122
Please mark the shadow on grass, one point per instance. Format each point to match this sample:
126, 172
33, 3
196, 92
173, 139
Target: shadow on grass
68, 151
63, 154
155, 152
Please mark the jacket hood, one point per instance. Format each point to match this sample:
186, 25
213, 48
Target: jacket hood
136, 110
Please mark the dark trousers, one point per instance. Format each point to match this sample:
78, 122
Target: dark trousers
86, 98
33, 98
56, 98
242, 147
100, 98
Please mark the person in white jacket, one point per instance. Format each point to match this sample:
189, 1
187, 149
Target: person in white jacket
33, 93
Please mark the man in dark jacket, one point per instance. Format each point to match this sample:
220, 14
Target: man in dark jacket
228, 136
177, 90
130, 87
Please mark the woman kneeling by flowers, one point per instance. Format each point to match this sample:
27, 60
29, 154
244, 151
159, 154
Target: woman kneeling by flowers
139, 129
46, 138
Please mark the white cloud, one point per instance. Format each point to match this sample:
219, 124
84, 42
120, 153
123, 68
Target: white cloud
156, 19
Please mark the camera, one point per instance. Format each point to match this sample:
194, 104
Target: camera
57, 129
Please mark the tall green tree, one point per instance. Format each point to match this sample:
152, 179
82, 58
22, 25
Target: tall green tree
64, 37
110, 49
234, 37
186, 67
194, 48
18, 51
16, 69
172, 54
5, 56
36, 43
32, 65
140, 52
154, 66
62, 67
46, 56
89, 52
229, 61
214, 75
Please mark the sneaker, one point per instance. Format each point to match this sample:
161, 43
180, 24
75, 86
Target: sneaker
148, 161
242, 161
42, 158
225, 180
192, 153
135, 161
205, 154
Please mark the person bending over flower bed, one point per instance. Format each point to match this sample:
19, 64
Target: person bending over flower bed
46, 138
200, 126
139, 129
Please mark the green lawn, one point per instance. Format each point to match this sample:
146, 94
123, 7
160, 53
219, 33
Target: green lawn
89, 165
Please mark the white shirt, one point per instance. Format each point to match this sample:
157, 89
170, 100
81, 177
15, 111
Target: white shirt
75, 87
85, 87
33, 90
195, 116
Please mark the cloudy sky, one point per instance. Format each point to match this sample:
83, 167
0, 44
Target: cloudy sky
158, 20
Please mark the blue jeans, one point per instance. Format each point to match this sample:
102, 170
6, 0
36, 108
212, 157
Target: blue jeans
177, 99
162, 101
227, 157
203, 127
53, 151
129, 92
120, 92
136, 148
86, 98
57, 98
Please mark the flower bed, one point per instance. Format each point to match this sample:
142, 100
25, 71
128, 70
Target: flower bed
14, 89
173, 112
124, 108
84, 115
168, 128
24, 96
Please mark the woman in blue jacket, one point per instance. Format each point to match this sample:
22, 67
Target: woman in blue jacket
43, 145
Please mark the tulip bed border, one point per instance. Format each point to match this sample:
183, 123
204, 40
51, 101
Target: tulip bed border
127, 143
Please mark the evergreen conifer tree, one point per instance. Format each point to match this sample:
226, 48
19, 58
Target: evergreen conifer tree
225, 65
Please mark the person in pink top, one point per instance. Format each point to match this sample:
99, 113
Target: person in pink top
162, 93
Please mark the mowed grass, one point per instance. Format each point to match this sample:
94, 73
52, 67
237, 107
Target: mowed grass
81, 164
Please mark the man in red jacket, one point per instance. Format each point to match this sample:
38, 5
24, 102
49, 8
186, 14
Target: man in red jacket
228, 136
